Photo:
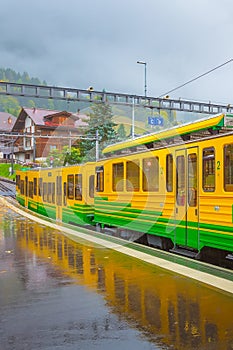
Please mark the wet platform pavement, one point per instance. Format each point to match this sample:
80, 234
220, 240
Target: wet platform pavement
57, 293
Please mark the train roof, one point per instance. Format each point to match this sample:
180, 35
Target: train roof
211, 124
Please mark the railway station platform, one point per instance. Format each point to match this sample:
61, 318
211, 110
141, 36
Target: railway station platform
213, 276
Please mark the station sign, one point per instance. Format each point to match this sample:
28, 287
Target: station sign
155, 121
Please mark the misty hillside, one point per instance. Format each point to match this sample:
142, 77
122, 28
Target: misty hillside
122, 115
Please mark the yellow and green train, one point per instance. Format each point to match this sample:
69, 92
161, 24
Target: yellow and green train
172, 189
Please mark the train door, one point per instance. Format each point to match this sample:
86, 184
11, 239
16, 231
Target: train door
59, 196
186, 205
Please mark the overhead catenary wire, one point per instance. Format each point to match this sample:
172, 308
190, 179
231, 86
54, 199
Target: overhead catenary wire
196, 78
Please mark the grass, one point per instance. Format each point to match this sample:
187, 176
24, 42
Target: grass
4, 170
127, 122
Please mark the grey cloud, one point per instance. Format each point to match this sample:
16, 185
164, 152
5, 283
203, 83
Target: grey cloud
21, 50
77, 43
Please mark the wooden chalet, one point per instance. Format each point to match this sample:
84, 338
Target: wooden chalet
39, 131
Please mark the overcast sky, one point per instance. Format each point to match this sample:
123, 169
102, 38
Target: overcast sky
97, 43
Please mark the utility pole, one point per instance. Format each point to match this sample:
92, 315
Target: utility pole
144, 63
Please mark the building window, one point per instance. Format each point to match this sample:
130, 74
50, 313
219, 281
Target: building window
117, 177
150, 179
132, 176
209, 170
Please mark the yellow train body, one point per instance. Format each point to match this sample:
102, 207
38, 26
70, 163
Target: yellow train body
173, 189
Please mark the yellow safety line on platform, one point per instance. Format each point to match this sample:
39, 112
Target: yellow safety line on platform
200, 276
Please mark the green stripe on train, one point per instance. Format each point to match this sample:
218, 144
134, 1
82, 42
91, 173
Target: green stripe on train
81, 215
192, 234
46, 210
21, 200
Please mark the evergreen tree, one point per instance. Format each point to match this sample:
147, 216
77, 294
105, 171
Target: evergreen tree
121, 132
101, 121
10, 105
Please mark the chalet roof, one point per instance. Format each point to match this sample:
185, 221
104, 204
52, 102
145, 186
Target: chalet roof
40, 116
7, 121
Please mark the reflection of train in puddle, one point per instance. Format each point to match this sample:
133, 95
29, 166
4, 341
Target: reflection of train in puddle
168, 310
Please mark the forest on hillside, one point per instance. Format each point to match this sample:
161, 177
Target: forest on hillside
122, 115
12, 104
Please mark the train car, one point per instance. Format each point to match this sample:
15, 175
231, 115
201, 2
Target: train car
77, 207
65, 194
172, 189
175, 187
27, 187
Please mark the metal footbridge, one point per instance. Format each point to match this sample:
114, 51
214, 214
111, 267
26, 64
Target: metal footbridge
89, 95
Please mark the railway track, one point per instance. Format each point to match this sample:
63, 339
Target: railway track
7, 187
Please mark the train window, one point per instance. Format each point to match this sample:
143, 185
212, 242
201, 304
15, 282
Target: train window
132, 176
30, 192
45, 191
22, 187
49, 197
180, 175
70, 186
26, 186
35, 186
99, 178
59, 190
169, 173
53, 192
208, 170
18, 181
150, 176
192, 180
65, 193
91, 186
117, 177
40, 187
78, 187
228, 168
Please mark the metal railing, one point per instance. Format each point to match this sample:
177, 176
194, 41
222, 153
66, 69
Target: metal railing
89, 95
